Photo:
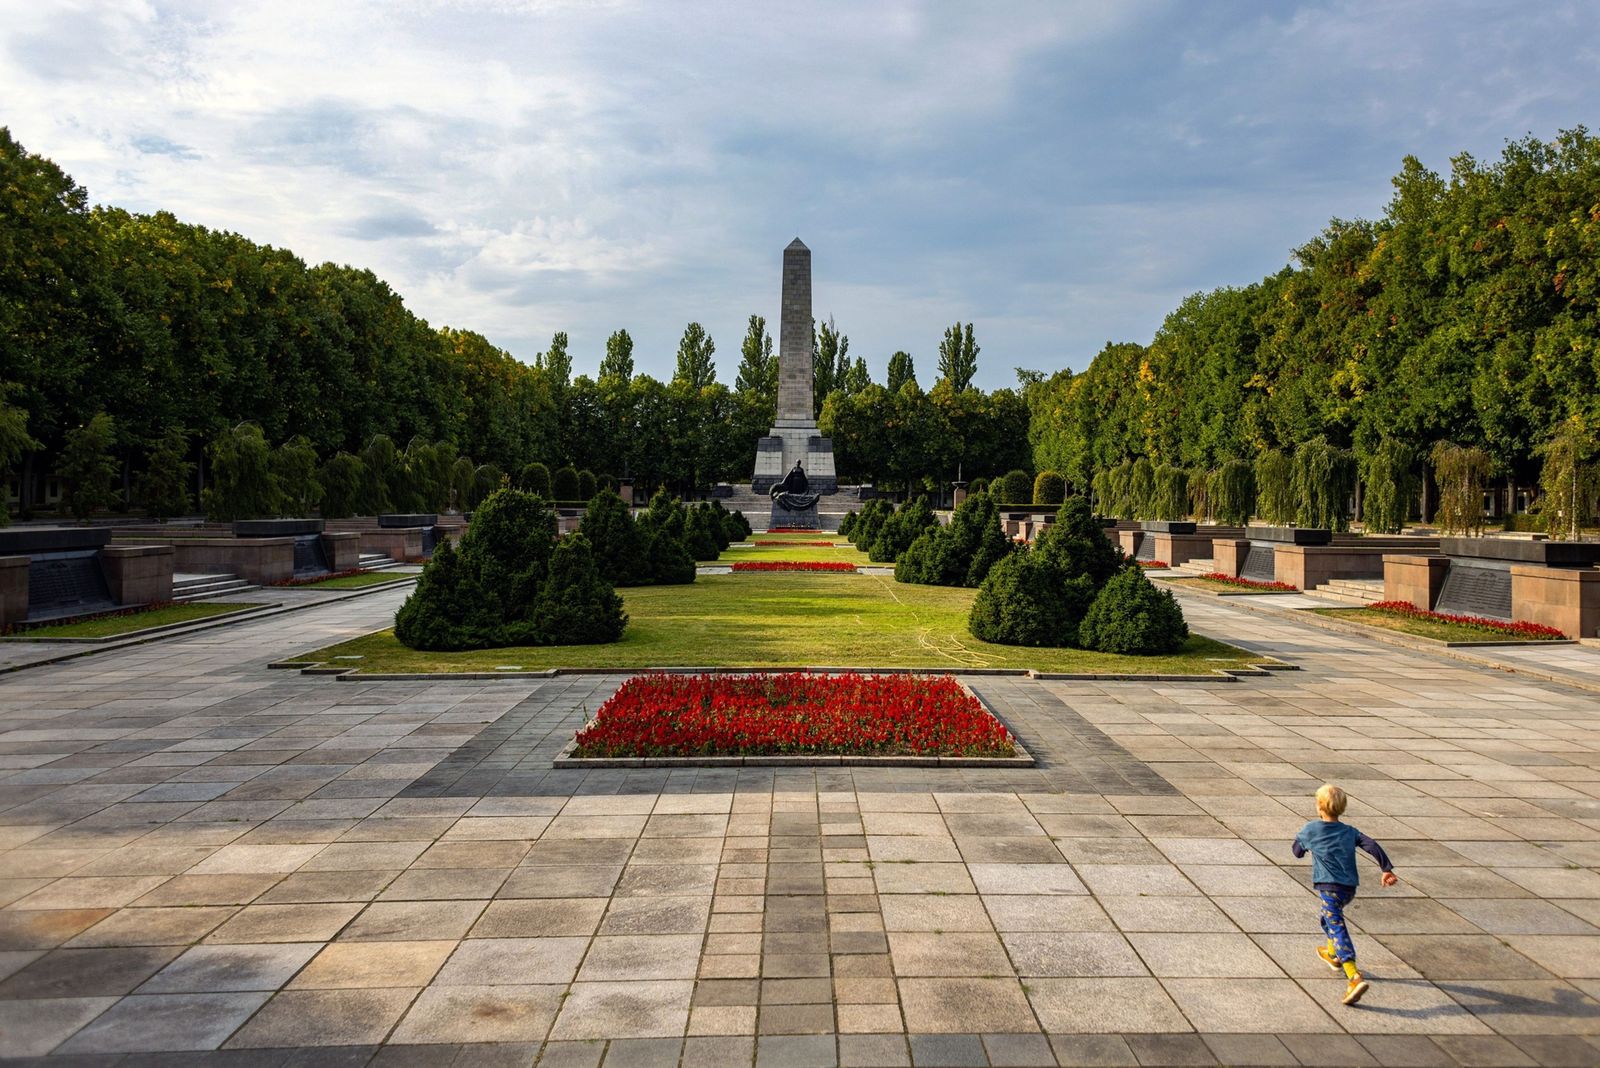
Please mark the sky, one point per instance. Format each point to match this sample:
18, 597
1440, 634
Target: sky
1059, 174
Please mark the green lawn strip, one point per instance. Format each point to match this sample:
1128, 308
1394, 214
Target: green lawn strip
787, 620
1213, 586
794, 551
1423, 628
110, 626
351, 582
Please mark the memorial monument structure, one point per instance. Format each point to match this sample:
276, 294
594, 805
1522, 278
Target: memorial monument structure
794, 447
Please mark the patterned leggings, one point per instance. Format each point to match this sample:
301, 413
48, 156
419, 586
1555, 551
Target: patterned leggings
1333, 903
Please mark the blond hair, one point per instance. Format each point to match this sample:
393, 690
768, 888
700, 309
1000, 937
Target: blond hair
1331, 800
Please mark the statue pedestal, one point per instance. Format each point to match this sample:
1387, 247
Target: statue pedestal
803, 519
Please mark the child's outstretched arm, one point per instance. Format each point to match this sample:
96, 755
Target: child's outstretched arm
1298, 848
1372, 848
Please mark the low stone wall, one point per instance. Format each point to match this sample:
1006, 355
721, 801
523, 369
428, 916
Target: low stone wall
1416, 579
343, 550
139, 574
1309, 566
1130, 540
1567, 599
261, 561
399, 544
1178, 549
1228, 554
13, 589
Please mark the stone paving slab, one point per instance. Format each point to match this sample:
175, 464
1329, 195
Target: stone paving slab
204, 862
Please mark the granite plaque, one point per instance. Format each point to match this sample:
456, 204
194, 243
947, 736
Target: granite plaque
1476, 589
1260, 563
61, 584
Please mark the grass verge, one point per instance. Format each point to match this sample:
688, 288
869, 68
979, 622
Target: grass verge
1439, 630
793, 549
109, 626
789, 620
353, 582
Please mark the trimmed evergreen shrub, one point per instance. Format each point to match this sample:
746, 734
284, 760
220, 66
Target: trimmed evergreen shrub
587, 486
736, 525
448, 609
510, 583
1132, 617
900, 530
867, 525
1049, 488
1014, 487
699, 536
576, 605
535, 478
614, 539
1078, 545
564, 484
666, 560
1028, 600
960, 554
978, 485
719, 524
846, 523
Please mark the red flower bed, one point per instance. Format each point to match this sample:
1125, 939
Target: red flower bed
792, 565
1515, 629
794, 713
1249, 584
310, 580
1154, 563
791, 530
827, 544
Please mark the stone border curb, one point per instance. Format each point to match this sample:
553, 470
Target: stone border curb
351, 673
1022, 759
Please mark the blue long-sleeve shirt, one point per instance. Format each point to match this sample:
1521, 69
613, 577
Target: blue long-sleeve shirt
1333, 846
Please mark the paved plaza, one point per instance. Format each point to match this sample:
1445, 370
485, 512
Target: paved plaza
206, 862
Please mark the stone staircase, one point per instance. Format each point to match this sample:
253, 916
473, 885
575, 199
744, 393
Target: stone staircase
192, 587
1351, 591
376, 562
1194, 568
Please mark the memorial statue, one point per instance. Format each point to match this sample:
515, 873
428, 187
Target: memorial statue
793, 493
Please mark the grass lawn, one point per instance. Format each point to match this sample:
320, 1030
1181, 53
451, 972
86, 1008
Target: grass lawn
794, 549
352, 582
1422, 628
789, 619
110, 626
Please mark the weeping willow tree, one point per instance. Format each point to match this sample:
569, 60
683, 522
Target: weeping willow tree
1461, 472
1392, 486
1100, 487
1142, 488
1169, 496
1200, 480
1233, 493
1569, 482
1118, 480
1324, 479
1275, 487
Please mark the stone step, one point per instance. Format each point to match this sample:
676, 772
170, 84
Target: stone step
1195, 568
1351, 591
376, 562
205, 587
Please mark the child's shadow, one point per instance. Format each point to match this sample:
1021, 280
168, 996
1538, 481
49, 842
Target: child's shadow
1567, 1004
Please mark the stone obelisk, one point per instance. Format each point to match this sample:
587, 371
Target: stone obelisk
794, 439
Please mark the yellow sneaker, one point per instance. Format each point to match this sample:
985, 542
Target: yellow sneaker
1353, 992
1329, 958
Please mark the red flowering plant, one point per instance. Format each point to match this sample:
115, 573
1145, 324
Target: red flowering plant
793, 713
312, 580
792, 565
1154, 563
1499, 627
1249, 584
827, 544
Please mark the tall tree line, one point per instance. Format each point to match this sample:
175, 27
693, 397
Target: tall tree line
1467, 313
146, 340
